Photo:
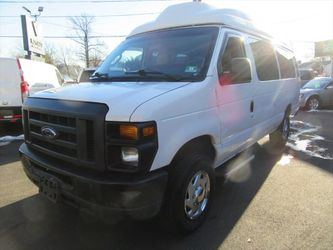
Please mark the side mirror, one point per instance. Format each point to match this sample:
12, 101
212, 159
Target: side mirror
240, 70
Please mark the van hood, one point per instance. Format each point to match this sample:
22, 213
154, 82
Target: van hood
122, 98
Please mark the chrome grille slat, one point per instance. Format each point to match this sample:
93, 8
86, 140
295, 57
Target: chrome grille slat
56, 142
56, 126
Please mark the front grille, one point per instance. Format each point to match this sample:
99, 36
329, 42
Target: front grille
54, 119
78, 129
66, 140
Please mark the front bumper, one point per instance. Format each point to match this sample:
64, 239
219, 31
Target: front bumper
138, 196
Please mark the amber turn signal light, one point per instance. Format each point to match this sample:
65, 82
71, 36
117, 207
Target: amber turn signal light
148, 131
129, 132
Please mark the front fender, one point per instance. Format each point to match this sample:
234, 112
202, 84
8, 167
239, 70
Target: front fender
175, 132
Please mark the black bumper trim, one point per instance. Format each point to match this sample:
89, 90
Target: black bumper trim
142, 195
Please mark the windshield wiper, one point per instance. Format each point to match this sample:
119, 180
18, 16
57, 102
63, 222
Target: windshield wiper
146, 72
105, 77
99, 76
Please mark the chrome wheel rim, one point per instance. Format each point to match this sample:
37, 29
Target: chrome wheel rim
313, 103
197, 194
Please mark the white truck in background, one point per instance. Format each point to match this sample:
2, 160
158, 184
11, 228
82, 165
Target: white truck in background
20, 78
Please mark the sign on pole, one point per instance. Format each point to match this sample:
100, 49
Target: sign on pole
324, 48
32, 39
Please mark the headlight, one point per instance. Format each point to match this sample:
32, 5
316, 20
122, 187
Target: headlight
130, 156
130, 146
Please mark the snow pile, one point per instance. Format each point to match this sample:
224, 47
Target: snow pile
304, 139
5, 140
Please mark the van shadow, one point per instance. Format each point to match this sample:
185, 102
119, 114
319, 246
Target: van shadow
10, 128
35, 223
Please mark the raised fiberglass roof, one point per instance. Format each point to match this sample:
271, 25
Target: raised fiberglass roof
196, 13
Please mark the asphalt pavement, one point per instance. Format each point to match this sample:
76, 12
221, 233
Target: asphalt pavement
274, 202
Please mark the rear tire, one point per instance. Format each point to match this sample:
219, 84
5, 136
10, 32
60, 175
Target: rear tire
278, 139
189, 193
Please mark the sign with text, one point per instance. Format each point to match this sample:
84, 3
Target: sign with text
32, 39
324, 48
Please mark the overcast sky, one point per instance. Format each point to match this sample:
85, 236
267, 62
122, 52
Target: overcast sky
299, 22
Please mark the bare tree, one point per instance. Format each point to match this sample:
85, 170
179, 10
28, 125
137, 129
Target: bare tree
88, 45
50, 54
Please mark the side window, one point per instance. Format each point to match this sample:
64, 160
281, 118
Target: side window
230, 64
286, 62
265, 60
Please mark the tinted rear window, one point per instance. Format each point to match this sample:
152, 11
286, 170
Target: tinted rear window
265, 60
286, 62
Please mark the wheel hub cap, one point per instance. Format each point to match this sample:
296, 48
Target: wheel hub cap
314, 104
197, 193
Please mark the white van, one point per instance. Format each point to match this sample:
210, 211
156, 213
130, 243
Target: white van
173, 102
20, 78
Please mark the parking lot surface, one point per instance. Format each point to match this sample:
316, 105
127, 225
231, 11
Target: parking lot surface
273, 202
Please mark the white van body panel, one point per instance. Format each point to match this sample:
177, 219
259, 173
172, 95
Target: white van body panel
40, 76
10, 79
121, 97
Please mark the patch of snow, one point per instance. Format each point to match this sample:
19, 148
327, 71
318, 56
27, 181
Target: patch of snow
303, 139
5, 140
320, 111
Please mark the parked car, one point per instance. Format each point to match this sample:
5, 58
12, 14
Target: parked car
20, 78
85, 74
317, 93
165, 110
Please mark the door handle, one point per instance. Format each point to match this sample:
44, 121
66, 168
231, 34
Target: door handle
252, 106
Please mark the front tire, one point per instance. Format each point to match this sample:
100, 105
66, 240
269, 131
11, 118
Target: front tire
313, 103
189, 194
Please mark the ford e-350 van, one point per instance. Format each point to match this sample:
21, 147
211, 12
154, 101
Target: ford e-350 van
177, 99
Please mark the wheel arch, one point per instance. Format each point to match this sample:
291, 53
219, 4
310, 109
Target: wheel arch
288, 109
203, 143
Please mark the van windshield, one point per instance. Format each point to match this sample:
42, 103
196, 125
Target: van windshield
170, 55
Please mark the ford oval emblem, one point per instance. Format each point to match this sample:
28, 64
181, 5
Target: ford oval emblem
49, 133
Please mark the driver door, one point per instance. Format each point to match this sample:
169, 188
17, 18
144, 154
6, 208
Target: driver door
235, 99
